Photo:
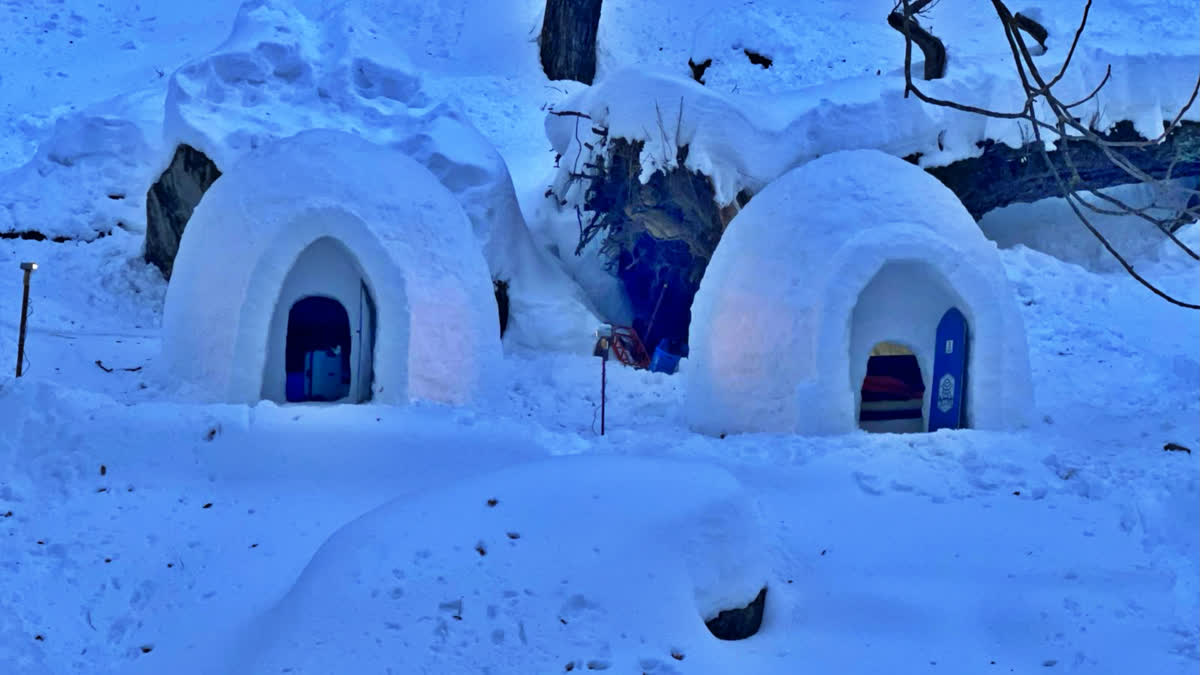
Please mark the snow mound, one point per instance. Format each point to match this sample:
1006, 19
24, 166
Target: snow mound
847, 251
599, 562
436, 331
281, 72
86, 179
1050, 226
811, 43
745, 141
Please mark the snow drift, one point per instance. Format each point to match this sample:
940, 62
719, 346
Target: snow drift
88, 177
742, 142
598, 562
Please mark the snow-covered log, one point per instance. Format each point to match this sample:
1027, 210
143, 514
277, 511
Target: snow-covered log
1003, 175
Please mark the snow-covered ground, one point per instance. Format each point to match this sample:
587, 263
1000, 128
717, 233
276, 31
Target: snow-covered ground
142, 533
1074, 542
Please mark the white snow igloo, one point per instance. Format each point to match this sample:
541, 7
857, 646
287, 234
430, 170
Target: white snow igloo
851, 261
322, 267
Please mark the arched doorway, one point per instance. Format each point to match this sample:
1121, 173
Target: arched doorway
321, 344
318, 352
893, 391
895, 351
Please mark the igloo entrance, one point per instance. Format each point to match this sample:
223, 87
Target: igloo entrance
321, 343
658, 278
317, 357
893, 340
893, 391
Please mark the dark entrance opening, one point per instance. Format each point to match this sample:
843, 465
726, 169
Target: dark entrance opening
893, 391
317, 357
661, 279
501, 288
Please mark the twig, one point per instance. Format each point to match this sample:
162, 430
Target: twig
106, 369
1087, 8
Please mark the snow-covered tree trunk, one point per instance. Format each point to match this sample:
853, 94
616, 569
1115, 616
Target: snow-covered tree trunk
568, 39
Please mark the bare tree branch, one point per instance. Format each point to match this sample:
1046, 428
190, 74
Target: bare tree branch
1036, 30
1087, 8
1062, 128
931, 46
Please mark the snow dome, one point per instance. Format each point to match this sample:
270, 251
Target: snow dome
323, 267
282, 71
848, 261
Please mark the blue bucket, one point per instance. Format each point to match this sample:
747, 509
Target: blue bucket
664, 361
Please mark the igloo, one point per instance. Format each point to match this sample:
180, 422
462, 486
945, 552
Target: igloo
851, 260
283, 70
323, 267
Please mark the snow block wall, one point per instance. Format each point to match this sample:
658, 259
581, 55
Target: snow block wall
281, 72
834, 257
357, 215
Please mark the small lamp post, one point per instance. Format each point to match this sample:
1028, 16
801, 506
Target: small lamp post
29, 267
601, 350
